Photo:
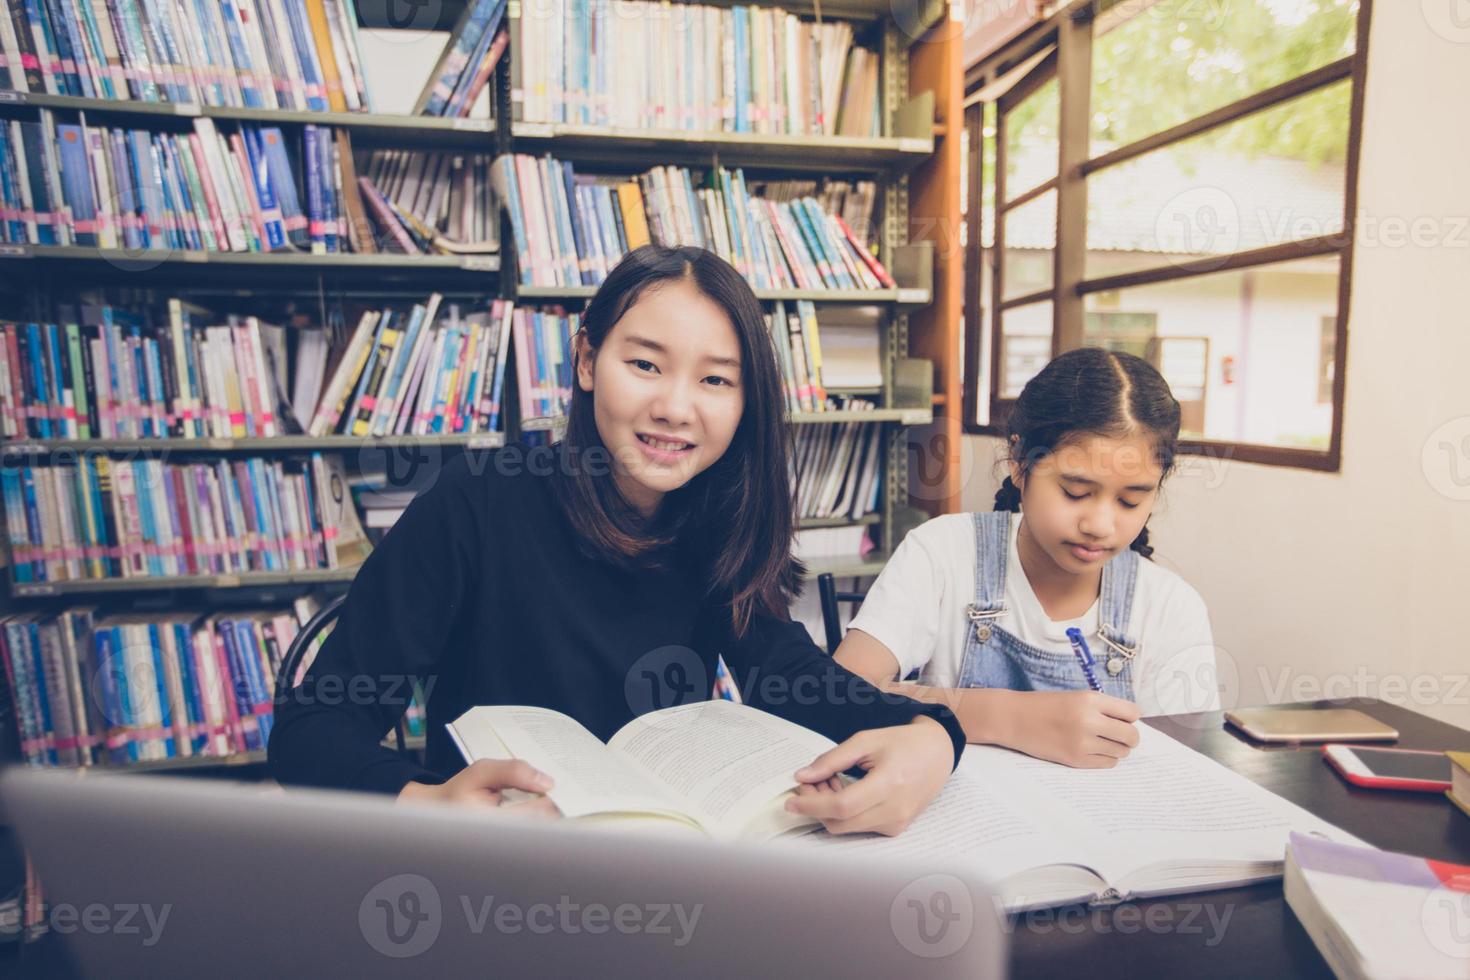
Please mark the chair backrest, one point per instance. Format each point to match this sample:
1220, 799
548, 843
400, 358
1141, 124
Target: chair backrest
304, 640
831, 616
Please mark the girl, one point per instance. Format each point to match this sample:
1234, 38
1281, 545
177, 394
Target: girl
654, 537
980, 604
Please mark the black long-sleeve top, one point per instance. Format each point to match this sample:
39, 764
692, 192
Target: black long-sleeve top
481, 592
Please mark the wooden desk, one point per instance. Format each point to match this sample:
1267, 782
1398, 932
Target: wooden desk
1247, 932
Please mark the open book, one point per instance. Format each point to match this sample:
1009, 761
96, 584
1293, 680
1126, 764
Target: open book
1165, 820
715, 767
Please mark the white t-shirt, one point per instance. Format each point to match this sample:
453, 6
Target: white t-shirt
917, 610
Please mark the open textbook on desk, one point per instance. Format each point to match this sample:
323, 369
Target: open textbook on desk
715, 767
1165, 820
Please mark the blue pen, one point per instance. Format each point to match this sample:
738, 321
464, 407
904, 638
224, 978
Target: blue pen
1084, 657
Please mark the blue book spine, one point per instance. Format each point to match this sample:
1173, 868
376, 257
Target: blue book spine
240, 56
126, 694
283, 184
15, 521
15, 229
260, 495
240, 681
269, 207
331, 210
76, 181
316, 233
157, 396
40, 703
184, 640
70, 31
455, 104
40, 382
575, 225
160, 683
145, 515
123, 188
55, 350
251, 650
53, 61
458, 61
33, 523
506, 165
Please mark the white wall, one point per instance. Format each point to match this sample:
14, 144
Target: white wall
1358, 582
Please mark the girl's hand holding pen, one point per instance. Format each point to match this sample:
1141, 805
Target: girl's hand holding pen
1085, 729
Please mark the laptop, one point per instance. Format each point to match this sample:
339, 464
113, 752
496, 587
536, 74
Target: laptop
160, 876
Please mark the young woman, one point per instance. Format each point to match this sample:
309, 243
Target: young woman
980, 604
658, 532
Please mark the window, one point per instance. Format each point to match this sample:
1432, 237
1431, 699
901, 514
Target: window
1166, 179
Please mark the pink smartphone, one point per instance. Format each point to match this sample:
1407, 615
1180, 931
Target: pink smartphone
1375, 768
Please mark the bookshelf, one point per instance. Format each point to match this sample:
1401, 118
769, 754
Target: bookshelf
902, 160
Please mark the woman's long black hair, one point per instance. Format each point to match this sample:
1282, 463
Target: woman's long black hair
736, 519
1090, 391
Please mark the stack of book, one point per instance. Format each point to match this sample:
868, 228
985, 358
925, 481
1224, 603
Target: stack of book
431, 202
1379, 914
95, 517
570, 229
272, 54
110, 375
475, 47
418, 373
543, 340
835, 470
76, 184
698, 67
1459, 791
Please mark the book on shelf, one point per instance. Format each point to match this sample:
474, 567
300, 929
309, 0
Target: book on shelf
109, 373
475, 46
93, 688
440, 202
544, 360
571, 229
249, 189
1377, 914
692, 67
835, 470
260, 54
715, 768
94, 518
1165, 821
88, 686
427, 371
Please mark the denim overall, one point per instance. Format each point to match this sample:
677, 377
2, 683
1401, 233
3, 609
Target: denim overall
996, 658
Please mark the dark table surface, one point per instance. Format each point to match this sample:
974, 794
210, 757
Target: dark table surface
1248, 932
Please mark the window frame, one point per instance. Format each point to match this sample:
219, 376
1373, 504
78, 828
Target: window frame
1069, 33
